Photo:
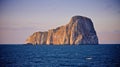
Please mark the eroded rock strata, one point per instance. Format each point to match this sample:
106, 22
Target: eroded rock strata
79, 30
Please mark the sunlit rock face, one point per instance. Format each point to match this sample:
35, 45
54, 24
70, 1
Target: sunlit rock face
79, 30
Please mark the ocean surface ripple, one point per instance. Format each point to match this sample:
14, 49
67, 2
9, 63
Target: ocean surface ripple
59, 56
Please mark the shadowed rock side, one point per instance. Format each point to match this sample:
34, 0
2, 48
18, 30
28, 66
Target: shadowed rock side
79, 30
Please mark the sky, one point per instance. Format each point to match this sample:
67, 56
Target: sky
21, 18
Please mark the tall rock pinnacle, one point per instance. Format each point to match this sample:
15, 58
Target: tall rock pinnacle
79, 30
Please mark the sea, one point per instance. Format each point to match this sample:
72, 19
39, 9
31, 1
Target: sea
104, 55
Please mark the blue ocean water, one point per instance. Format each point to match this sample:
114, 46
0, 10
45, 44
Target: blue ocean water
60, 56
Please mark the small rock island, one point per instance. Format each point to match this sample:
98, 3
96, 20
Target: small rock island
78, 31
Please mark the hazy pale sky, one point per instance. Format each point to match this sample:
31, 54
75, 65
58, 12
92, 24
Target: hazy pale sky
21, 18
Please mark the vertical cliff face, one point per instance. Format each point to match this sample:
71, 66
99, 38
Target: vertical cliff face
79, 30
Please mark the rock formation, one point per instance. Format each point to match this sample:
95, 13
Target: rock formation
79, 30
